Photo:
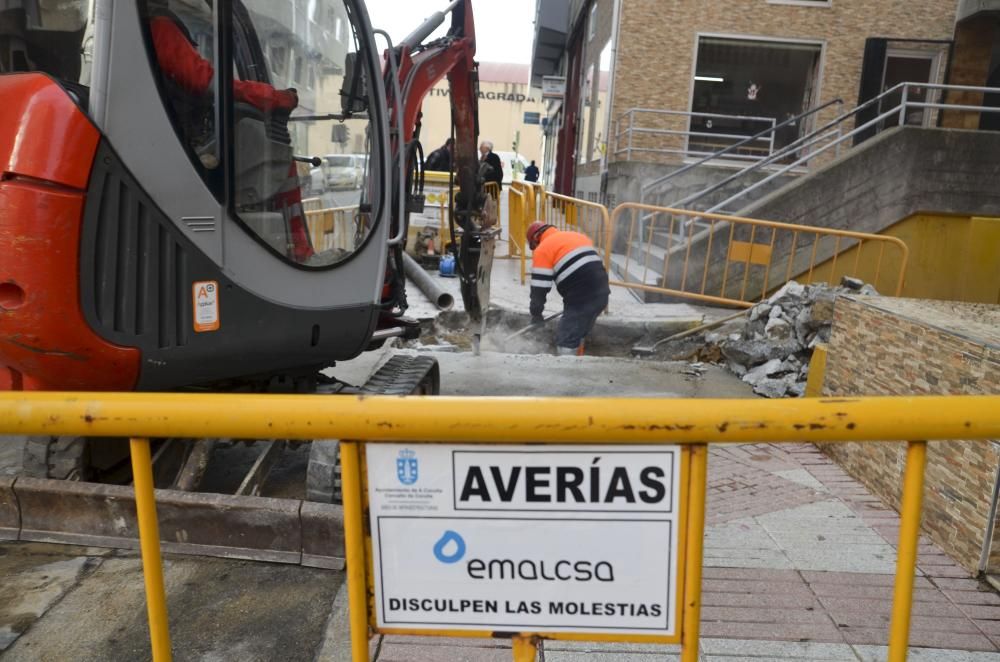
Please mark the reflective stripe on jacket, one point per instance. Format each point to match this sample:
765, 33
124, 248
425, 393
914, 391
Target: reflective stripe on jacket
567, 260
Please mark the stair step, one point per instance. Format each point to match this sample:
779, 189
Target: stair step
633, 272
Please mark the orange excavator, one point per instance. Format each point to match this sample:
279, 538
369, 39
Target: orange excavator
154, 234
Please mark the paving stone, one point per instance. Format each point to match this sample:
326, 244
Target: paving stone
393, 652
880, 654
762, 615
779, 600
567, 656
980, 597
773, 631
756, 574
867, 591
877, 579
945, 640
941, 608
984, 612
782, 650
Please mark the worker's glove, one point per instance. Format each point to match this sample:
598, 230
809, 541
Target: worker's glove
537, 320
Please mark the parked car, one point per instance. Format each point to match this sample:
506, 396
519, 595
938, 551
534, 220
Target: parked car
344, 171
317, 181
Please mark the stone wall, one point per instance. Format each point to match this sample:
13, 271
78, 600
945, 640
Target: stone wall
886, 346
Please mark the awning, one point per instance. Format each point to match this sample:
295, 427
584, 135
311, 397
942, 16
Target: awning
551, 29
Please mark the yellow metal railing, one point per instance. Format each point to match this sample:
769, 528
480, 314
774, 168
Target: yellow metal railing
517, 220
737, 261
691, 423
589, 218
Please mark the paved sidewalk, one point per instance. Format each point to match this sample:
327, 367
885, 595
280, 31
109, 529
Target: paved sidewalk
799, 560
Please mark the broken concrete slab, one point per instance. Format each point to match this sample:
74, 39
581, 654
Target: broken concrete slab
219, 610
10, 512
36, 577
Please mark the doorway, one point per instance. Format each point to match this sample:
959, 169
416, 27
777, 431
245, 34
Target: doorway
909, 67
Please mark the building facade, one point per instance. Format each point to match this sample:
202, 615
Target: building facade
663, 81
510, 112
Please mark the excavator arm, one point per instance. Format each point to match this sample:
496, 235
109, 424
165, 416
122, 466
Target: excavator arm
418, 67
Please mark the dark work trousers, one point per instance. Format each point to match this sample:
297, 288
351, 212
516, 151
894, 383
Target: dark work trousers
579, 318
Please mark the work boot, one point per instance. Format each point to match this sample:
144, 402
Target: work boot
566, 351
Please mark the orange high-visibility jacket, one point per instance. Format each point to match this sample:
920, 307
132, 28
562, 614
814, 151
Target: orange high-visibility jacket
567, 260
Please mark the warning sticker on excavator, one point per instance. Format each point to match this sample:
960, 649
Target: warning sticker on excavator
554, 540
206, 306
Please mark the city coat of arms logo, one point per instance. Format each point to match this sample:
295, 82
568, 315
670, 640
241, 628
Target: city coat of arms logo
406, 467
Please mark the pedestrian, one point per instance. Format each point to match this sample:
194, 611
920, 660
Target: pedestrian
494, 173
569, 261
441, 159
531, 173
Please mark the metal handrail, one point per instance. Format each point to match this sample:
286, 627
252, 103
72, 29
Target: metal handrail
899, 111
631, 129
735, 146
835, 128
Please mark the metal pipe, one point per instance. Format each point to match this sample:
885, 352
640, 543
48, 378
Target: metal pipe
385, 334
430, 24
906, 555
984, 556
570, 420
443, 300
149, 546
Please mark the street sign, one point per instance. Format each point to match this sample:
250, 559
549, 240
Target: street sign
563, 539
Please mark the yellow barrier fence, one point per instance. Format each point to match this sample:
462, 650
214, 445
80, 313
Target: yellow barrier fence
577, 421
736, 261
517, 215
332, 228
589, 218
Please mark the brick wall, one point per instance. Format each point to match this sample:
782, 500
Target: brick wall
659, 37
885, 346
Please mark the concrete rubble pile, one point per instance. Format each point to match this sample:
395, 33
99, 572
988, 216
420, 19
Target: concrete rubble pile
773, 350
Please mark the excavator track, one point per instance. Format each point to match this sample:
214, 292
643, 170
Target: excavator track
400, 375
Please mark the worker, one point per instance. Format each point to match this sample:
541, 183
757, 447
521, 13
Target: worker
181, 62
531, 173
494, 173
568, 261
441, 159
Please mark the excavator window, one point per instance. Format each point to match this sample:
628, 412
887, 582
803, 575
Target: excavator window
317, 214
49, 36
289, 187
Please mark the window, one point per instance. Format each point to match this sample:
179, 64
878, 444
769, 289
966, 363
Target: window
599, 96
592, 22
583, 139
183, 38
53, 37
314, 216
743, 86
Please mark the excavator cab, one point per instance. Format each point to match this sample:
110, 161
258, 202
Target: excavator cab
167, 216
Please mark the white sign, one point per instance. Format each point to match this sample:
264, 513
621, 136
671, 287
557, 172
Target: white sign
206, 306
514, 538
553, 87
